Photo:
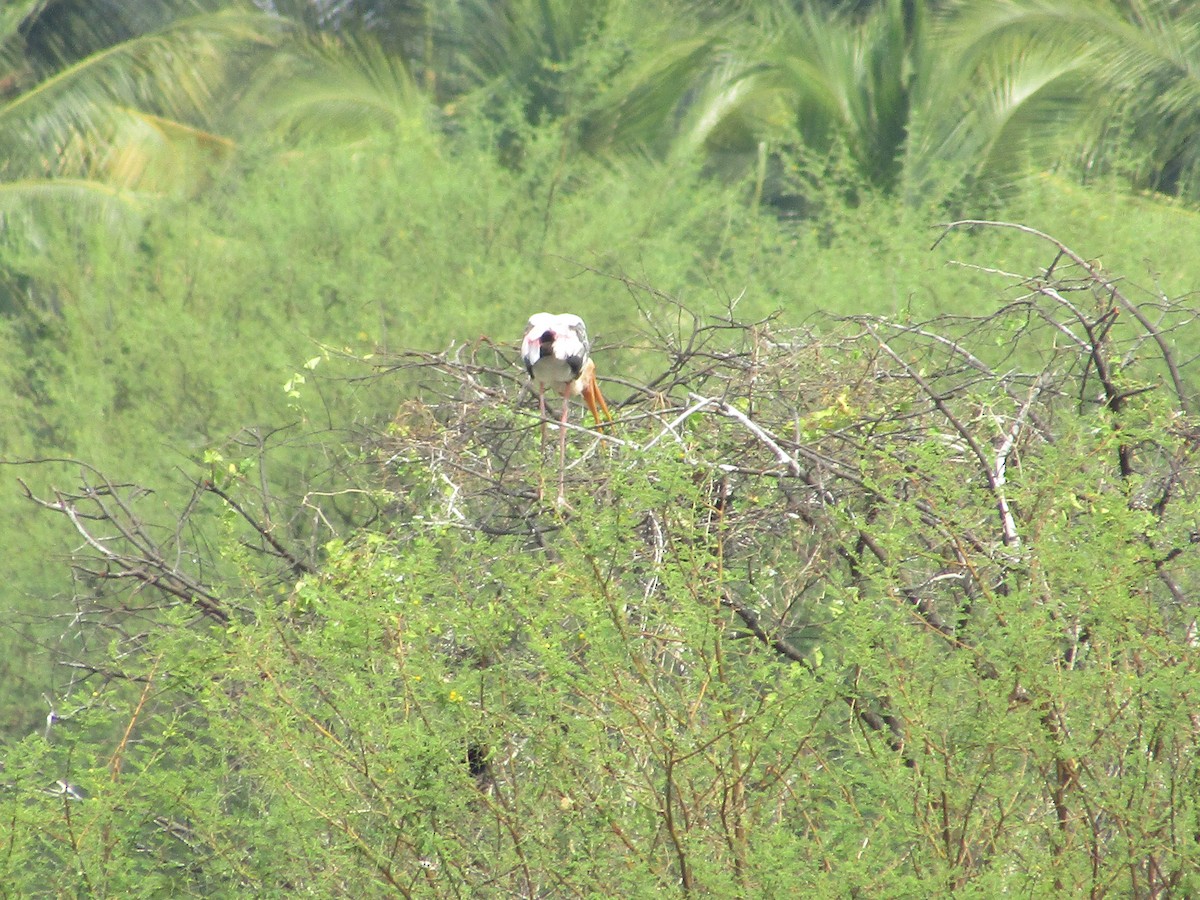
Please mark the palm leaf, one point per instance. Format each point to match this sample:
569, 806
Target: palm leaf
1119, 79
826, 80
13, 15
151, 154
15, 70
341, 88
638, 105
516, 40
179, 72
30, 208
1019, 104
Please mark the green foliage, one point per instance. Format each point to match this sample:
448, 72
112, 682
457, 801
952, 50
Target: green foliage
854, 612
815, 657
140, 348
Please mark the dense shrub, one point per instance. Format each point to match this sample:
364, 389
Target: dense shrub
893, 608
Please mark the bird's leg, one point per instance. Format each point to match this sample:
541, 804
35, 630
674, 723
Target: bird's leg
562, 449
542, 406
542, 450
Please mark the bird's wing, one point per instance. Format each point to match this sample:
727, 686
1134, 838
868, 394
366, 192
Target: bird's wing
580, 331
531, 350
570, 340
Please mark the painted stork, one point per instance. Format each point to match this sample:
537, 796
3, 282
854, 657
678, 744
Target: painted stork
555, 353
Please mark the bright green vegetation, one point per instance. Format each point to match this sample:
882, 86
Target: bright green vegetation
235, 247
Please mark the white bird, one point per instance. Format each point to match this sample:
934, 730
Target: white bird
555, 353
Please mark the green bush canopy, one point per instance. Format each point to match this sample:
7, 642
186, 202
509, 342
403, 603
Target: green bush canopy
878, 607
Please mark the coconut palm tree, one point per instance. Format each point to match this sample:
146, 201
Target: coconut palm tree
1116, 81
102, 100
614, 74
924, 97
105, 107
802, 81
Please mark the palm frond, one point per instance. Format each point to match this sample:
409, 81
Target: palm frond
828, 80
1119, 79
152, 154
13, 15
32, 209
15, 70
1019, 104
179, 72
731, 108
638, 107
516, 40
341, 88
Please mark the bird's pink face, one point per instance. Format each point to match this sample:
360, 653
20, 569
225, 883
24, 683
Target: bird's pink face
541, 329
540, 336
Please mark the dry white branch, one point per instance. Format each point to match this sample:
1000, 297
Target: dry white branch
769, 440
670, 427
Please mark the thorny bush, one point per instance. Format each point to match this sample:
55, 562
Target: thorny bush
879, 606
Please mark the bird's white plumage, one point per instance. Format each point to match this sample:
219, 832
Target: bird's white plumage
554, 350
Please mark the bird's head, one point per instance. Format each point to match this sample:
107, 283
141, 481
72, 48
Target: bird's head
545, 328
